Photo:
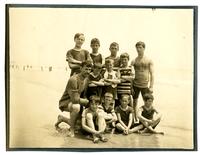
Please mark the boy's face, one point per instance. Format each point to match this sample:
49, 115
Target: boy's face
95, 47
124, 62
124, 102
79, 40
114, 49
109, 66
93, 105
85, 71
97, 71
149, 103
140, 50
108, 100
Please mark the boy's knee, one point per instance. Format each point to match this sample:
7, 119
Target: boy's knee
75, 108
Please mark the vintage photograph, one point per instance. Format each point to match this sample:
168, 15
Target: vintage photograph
83, 77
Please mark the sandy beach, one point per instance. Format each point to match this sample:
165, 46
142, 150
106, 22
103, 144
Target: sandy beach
34, 97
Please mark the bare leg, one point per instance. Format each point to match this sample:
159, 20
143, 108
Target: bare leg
73, 117
101, 126
120, 127
101, 122
135, 103
90, 123
150, 128
60, 120
136, 129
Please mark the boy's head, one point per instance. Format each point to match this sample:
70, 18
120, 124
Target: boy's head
79, 39
124, 58
125, 99
114, 48
140, 47
86, 68
108, 98
109, 64
148, 100
94, 101
95, 44
97, 67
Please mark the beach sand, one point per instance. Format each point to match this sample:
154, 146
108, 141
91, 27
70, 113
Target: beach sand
34, 97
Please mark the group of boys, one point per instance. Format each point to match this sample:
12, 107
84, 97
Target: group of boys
104, 94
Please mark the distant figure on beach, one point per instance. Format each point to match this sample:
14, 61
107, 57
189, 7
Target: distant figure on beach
144, 73
93, 121
77, 55
95, 55
71, 100
148, 116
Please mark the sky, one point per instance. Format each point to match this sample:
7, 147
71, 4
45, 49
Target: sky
42, 36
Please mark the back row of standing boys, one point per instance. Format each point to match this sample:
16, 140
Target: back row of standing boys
105, 95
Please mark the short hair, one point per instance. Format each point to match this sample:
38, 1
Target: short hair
95, 98
125, 96
77, 35
95, 41
124, 55
148, 96
114, 44
140, 43
97, 65
108, 94
107, 61
86, 63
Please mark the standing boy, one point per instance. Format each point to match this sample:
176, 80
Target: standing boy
77, 55
126, 76
95, 55
144, 74
114, 48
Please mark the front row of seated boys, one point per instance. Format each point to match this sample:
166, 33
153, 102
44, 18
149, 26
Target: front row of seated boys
101, 116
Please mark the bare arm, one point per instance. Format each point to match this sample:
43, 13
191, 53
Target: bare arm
73, 66
130, 120
151, 69
98, 83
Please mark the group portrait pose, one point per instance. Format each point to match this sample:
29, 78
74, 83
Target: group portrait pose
101, 95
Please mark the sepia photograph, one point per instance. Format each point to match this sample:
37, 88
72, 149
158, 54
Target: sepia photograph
96, 77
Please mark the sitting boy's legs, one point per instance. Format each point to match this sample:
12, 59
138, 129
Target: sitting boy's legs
120, 127
101, 126
90, 123
136, 128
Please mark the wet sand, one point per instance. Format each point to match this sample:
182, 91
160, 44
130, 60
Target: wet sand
34, 100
